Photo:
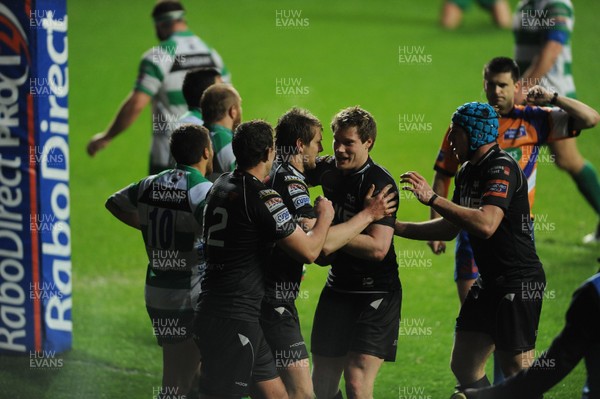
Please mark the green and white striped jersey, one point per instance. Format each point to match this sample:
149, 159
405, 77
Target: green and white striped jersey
193, 116
224, 160
161, 75
535, 23
170, 207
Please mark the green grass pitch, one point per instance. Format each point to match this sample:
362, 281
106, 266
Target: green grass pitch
347, 53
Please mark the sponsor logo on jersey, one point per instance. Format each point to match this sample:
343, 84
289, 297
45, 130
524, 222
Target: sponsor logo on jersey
296, 188
513, 134
282, 216
292, 178
499, 169
274, 203
497, 188
267, 192
300, 201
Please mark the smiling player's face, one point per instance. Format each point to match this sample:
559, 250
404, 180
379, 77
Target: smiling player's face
350, 152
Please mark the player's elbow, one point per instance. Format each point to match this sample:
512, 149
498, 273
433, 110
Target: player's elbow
379, 253
308, 255
110, 206
594, 120
308, 258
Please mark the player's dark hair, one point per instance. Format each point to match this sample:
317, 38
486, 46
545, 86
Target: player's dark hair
216, 101
295, 124
502, 65
196, 81
188, 143
359, 118
164, 6
251, 143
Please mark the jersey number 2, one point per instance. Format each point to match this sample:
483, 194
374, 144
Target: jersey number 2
217, 227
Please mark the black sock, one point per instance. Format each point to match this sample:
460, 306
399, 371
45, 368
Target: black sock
338, 395
482, 383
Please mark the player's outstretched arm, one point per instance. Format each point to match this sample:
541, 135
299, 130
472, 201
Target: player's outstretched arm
376, 208
540, 66
433, 230
129, 218
584, 116
306, 247
127, 114
482, 222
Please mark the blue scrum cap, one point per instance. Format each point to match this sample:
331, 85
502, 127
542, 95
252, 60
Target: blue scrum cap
480, 121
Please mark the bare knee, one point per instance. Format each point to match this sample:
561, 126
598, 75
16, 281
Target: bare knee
511, 364
460, 369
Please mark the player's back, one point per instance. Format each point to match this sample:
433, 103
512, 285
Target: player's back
243, 218
170, 210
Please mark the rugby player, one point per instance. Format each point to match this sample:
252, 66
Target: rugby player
502, 309
521, 131
357, 318
221, 107
195, 83
244, 219
160, 77
167, 208
298, 142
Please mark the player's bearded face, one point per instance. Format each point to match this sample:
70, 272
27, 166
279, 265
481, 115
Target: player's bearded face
500, 91
350, 152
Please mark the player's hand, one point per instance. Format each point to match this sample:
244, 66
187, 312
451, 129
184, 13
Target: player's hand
437, 247
417, 185
538, 95
381, 205
324, 209
96, 143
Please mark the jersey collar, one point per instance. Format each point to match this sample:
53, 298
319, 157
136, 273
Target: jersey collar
295, 171
219, 129
193, 171
363, 168
491, 151
183, 33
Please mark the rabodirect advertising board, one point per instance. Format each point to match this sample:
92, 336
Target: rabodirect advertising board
35, 234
